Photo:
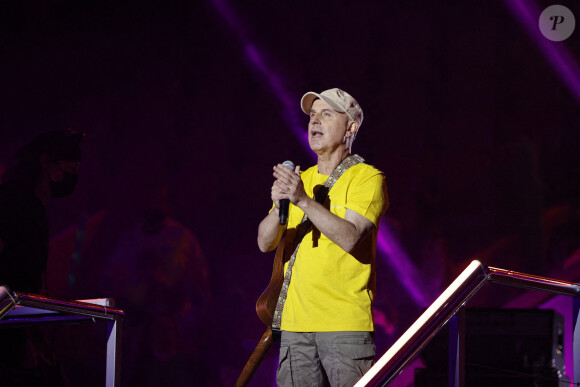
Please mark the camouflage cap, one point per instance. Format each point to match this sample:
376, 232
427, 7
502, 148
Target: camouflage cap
337, 99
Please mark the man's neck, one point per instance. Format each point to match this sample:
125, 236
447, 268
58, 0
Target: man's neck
328, 163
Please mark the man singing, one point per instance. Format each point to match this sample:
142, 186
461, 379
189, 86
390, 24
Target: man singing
324, 310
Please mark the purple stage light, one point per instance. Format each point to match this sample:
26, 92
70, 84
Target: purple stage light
276, 86
527, 13
399, 261
391, 250
267, 75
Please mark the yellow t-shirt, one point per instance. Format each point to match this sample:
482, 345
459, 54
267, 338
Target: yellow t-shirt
330, 289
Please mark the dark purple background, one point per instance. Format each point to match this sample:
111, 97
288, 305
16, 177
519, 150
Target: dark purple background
476, 130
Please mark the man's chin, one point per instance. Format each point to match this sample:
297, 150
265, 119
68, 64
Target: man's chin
315, 142
316, 148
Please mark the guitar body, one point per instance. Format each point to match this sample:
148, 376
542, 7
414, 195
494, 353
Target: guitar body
265, 307
266, 304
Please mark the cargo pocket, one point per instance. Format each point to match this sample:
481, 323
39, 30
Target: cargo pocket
284, 372
354, 356
362, 354
358, 351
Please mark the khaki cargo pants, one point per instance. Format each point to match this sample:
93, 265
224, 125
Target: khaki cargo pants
345, 357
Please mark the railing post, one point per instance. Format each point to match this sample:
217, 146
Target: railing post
576, 347
457, 349
113, 367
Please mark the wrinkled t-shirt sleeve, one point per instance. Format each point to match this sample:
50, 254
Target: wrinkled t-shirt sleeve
369, 197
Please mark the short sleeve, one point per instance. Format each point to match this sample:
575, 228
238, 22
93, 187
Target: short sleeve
369, 197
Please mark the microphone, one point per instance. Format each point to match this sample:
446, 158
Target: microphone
285, 203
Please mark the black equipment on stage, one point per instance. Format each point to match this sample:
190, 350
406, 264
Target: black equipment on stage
503, 347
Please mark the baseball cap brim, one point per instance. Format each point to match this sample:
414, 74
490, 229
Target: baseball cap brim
308, 99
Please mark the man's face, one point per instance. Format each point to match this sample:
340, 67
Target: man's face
326, 128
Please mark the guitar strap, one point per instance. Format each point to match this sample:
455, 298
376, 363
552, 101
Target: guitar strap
320, 196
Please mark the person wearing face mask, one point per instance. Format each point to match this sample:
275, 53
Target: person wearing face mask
44, 169
324, 310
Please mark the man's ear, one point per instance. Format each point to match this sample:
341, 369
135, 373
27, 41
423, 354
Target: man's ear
352, 129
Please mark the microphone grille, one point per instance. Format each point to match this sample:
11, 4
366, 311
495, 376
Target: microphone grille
288, 164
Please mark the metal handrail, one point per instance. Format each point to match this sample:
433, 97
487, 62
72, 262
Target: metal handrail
73, 307
8, 300
445, 306
41, 310
528, 281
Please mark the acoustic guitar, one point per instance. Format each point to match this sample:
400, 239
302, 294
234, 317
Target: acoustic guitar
265, 307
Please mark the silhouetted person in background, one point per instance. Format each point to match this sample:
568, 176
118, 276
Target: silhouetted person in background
160, 277
45, 168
